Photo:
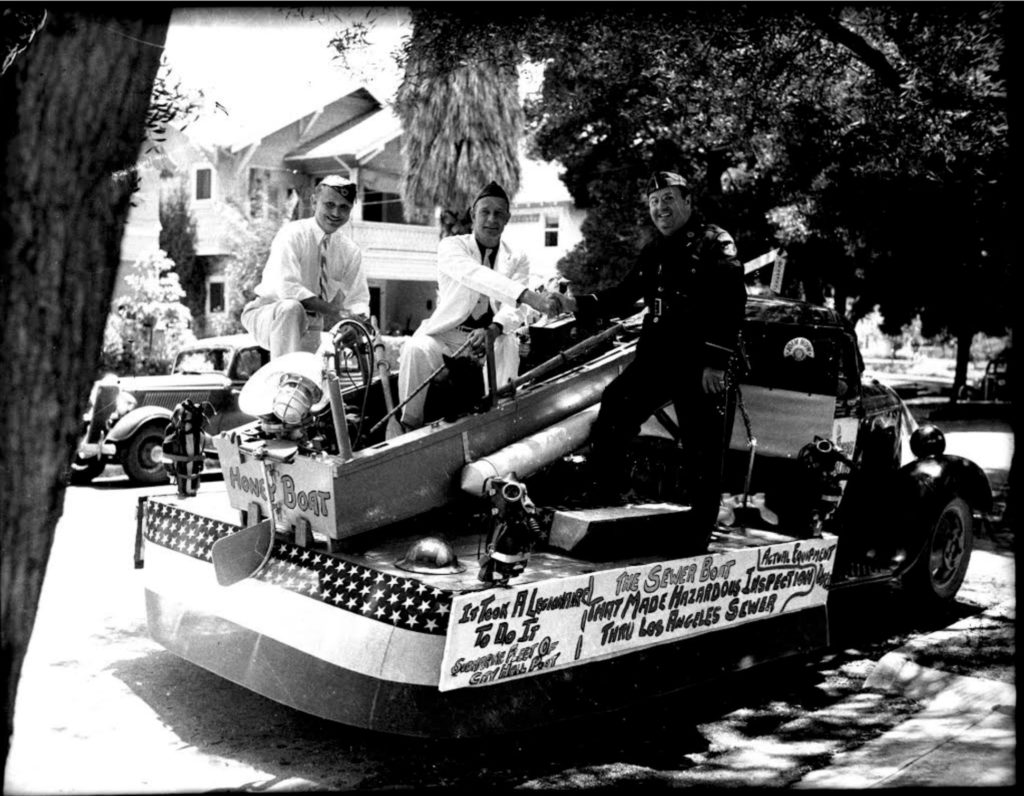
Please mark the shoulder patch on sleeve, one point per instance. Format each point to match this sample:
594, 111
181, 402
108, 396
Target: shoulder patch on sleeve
726, 243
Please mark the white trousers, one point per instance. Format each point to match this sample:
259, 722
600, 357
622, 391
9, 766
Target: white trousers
422, 354
282, 326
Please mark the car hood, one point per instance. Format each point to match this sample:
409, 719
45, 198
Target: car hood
175, 383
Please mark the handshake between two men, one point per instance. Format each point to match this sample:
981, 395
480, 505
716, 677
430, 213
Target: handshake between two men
550, 304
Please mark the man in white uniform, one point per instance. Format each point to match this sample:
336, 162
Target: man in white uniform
482, 289
313, 277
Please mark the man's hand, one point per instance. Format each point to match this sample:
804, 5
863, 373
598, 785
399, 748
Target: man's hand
566, 303
554, 306
477, 342
332, 318
542, 302
713, 380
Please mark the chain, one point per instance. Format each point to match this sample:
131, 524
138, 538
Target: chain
733, 382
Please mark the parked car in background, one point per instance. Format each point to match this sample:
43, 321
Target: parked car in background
995, 384
126, 418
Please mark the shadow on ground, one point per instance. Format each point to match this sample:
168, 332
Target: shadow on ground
647, 743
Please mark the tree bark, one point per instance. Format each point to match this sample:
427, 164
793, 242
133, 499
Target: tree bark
964, 338
75, 105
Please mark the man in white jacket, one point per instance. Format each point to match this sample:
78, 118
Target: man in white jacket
482, 289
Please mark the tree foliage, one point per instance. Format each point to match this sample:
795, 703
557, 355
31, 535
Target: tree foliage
840, 132
178, 240
150, 323
462, 121
171, 101
249, 239
20, 26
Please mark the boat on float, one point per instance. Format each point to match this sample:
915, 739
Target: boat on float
447, 582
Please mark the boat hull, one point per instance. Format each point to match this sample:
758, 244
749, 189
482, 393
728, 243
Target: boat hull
413, 473
351, 642
312, 685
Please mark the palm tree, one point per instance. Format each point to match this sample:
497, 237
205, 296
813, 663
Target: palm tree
462, 129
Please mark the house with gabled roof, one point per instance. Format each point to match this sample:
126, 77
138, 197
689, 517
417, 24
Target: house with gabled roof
278, 163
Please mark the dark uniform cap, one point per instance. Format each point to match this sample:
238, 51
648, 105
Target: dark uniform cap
492, 189
666, 179
346, 188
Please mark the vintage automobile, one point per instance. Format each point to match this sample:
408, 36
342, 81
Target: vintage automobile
994, 385
126, 418
461, 579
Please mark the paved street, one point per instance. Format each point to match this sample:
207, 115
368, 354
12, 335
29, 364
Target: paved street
122, 715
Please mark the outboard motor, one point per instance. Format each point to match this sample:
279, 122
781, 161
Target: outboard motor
823, 469
184, 440
514, 533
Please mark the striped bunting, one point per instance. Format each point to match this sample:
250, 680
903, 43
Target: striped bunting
402, 602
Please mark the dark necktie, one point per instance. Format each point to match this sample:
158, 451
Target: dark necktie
323, 266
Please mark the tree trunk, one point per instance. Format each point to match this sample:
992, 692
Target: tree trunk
964, 338
75, 106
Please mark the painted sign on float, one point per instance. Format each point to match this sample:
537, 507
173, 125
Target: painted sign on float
495, 636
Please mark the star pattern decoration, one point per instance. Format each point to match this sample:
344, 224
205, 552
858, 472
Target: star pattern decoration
403, 602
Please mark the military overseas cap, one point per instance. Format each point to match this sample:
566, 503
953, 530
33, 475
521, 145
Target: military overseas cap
492, 189
346, 188
666, 179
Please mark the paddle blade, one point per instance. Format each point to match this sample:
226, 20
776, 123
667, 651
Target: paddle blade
394, 429
243, 553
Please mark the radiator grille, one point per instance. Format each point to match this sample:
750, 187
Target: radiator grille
169, 400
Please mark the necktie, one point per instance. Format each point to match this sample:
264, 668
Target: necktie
323, 266
483, 304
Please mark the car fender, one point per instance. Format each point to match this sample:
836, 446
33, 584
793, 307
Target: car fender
925, 485
126, 426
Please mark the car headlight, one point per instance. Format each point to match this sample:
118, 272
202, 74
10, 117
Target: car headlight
125, 403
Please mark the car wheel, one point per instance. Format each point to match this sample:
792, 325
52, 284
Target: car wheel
83, 470
940, 571
142, 454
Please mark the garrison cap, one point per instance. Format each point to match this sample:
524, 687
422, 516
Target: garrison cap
666, 179
346, 188
492, 189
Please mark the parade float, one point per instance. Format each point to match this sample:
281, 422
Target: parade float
462, 579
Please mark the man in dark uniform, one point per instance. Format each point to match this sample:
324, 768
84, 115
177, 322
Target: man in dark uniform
692, 284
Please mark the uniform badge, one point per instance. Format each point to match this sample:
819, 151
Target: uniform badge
798, 349
727, 244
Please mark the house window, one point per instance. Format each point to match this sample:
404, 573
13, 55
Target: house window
550, 229
382, 206
215, 296
204, 183
375, 302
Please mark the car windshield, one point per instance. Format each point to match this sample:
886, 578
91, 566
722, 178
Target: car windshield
202, 360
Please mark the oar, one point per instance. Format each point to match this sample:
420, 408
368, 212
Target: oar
242, 554
419, 389
560, 360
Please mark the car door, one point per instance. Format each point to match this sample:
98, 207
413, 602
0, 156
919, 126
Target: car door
245, 362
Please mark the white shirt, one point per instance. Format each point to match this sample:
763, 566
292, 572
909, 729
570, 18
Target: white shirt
293, 268
462, 279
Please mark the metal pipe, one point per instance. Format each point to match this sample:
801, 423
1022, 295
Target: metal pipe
338, 416
529, 454
414, 393
492, 371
